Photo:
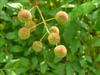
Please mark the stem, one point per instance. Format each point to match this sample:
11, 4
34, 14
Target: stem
31, 9
43, 19
43, 36
46, 21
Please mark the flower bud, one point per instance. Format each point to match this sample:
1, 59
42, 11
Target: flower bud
54, 38
30, 25
61, 17
24, 33
54, 29
24, 15
60, 51
37, 46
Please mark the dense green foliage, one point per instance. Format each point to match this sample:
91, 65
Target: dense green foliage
80, 35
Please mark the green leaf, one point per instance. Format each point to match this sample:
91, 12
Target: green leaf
87, 7
83, 9
11, 35
96, 1
2, 56
34, 62
24, 62
57, 59
82, 72
59, 69
43, 67
28, 52
10, 72
2, 3
98, 21
1, 72
89, 58
75, 45
97, 58
22, 66
69, 69
76, 66
83, 63
2, 42
98, 72
11, 63
96, 43
68, 34
4, 16
16, 48
92, 69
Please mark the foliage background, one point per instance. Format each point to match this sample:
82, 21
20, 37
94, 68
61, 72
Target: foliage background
80, 35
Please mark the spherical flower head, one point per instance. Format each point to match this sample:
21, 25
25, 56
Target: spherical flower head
54, 29
37, 46
24, 33
60, 51
24, 15
30, 25
61, 17
54, 38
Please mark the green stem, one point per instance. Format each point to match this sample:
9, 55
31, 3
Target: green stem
43, 36
31, 9
46, 21
43, 19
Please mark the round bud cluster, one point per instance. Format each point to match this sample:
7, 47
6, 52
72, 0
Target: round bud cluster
31, 25
60, 51
61, 17
24, 15
24, 33
37, 46
54, 29
54, 38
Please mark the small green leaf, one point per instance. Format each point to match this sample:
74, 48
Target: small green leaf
75, 45
1, 72
89, 58
69, 69
96, 1
97, 58
98, 72
83, 63
4, 16
11, 35
11, 63
68, 34
2, 56
83, 9
34, 62
43, 67
16, 48
2, 42
2, 3
59, 69
96, 43
10, 72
